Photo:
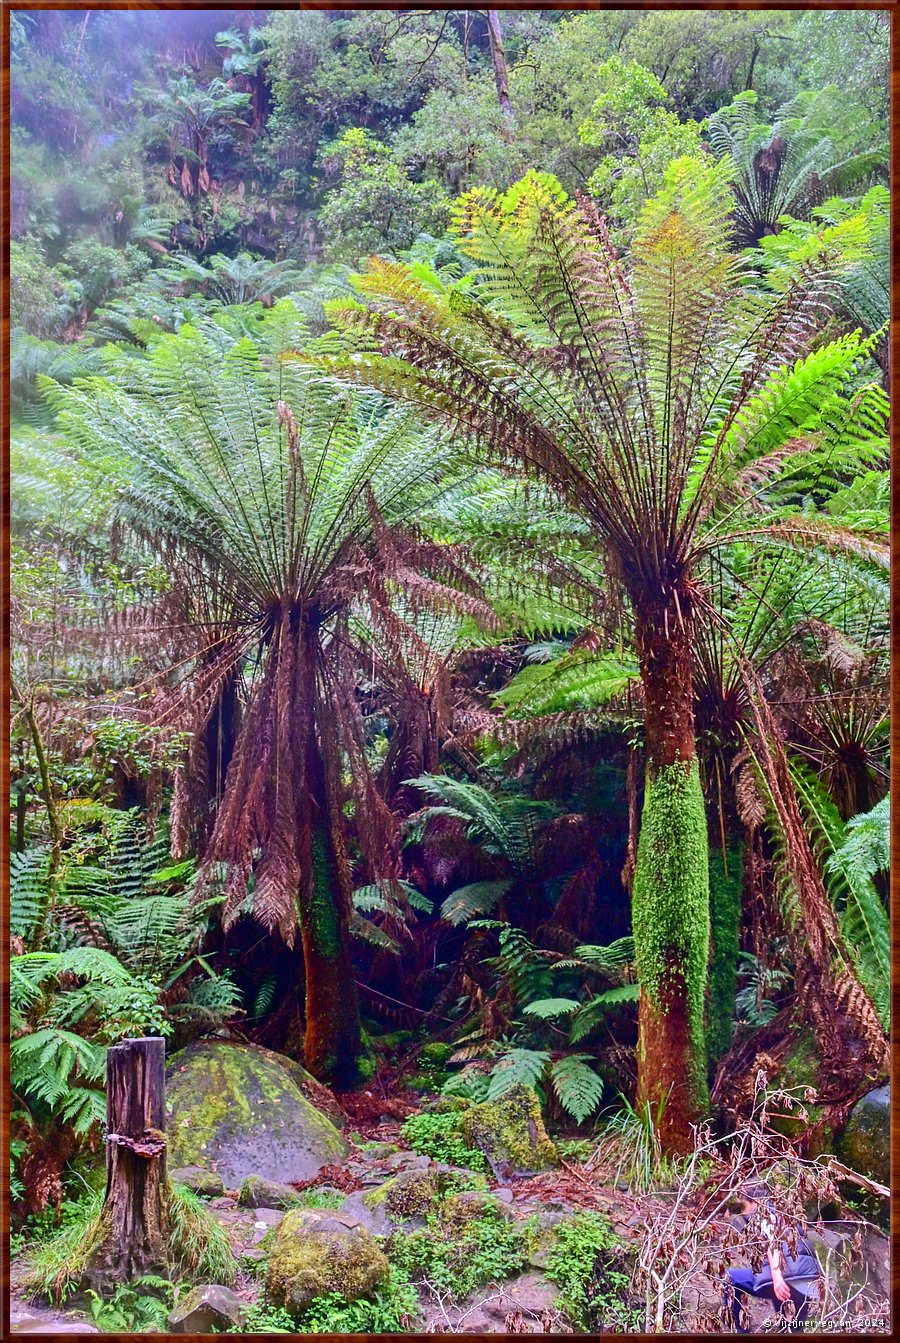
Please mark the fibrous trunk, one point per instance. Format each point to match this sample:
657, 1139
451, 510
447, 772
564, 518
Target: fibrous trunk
333, 1045
670, 897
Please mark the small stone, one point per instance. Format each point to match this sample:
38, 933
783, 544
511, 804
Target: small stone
206, 1183
503, 1195
207, 1310
224, 1201
259, 1193
408, 1161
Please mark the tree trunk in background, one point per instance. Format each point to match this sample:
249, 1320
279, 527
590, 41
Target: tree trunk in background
333, 1045
670, 898
134, 1218
726, 881
498, 57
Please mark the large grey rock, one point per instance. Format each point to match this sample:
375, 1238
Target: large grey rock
35, 1320
316, 1252
241, 1111
865, 1143
207, 1310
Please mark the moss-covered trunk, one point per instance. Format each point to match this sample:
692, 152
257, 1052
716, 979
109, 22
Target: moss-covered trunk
670, 896
333, 1045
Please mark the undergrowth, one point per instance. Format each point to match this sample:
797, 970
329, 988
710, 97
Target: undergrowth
488, 1249
393, 1309
588, 1265
440, 1136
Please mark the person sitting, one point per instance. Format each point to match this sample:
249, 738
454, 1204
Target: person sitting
784, 1277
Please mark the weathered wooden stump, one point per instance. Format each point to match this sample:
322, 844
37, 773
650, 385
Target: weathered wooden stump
135, 1215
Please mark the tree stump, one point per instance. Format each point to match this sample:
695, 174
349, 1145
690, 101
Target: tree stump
135, 1209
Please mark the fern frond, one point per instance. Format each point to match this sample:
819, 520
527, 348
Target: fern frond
577, 1086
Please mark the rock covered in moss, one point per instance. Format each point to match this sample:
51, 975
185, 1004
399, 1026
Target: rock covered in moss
471, 1205
239, 1111
316, 1252
206, 1183
865, 1143
206, 1310
259, 1193
414, 1193
510, 1132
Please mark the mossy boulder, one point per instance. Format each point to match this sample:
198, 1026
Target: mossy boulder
316, 1252
415, 1193
510, 1132
865, 1143
472, 1205
239, 1111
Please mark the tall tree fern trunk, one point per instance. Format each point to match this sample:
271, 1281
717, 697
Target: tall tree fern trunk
333, 1045
670, 897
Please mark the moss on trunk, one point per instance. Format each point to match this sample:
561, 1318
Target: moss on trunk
670, 916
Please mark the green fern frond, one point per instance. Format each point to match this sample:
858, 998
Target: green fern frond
577, 1086
473, 901
549, 1009
517, 1067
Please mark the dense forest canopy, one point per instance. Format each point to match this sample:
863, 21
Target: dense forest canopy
449, 603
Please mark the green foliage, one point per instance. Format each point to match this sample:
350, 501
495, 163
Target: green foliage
440, 1136
576, 680
578, 1088
394, 1308
199, 1248
631, 1141
792, 165
486, 1249
263, 1318
55, 1267
588, 1265
376, 208
27, 891
863, 852
137, 1307
724, 921
752, 1005
640, 136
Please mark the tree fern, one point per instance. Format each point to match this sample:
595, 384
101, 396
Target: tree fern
473, 901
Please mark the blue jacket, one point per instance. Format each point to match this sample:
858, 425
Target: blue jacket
801, 1269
